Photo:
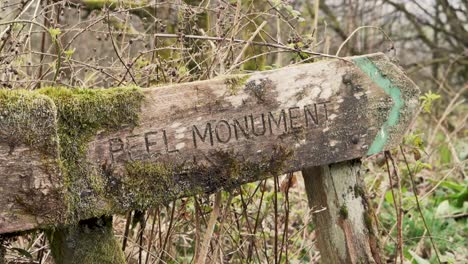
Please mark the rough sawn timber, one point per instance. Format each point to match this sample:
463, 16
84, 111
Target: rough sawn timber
202, 136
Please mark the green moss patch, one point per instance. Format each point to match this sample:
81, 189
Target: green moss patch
142, 184
344, 211
236, 83
90, 241
81, 114
28, 118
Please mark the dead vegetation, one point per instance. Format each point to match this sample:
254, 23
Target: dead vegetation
418, 191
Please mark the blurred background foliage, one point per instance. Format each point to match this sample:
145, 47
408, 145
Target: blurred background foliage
106, 43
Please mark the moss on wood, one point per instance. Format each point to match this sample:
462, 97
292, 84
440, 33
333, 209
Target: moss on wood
344, 211
81, 114
90, 241
236, 83
28, 118
142, 184
91, 191
59, 123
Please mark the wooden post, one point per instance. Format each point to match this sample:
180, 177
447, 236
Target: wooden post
345, 228
91, 241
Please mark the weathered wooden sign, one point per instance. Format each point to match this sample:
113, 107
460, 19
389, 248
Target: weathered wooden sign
73, 154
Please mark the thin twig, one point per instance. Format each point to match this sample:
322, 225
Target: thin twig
400, 205
151, 237
209, 229
397, 211
265, 44
413, 186
275, 201
168, 232
127, 229
355, 31
117, 51
247, 44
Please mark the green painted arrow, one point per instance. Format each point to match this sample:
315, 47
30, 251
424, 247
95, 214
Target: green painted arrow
374, 73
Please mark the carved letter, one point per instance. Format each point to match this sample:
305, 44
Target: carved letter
131, 146
244, 131
166, 143
203, 138
307, 112
226, 124
253, 126
113, 142
148, 142
325, 107
292, 117
282, 116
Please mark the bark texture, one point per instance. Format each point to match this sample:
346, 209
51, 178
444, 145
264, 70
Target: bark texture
90, 241
345, 229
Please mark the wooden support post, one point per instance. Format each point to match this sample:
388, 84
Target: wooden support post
345, 229
90, 241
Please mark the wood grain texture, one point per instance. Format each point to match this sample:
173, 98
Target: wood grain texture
202, 136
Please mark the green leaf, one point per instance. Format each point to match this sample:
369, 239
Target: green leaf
414, 140
418, 259
443, 209
427, 100
54, 33
454, 186
23, 252
446, 209
447, 258
69, 53
445, 155
389, 197
462, 197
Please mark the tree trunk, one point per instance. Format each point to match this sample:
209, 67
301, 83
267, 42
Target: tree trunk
91, 241
346, 230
